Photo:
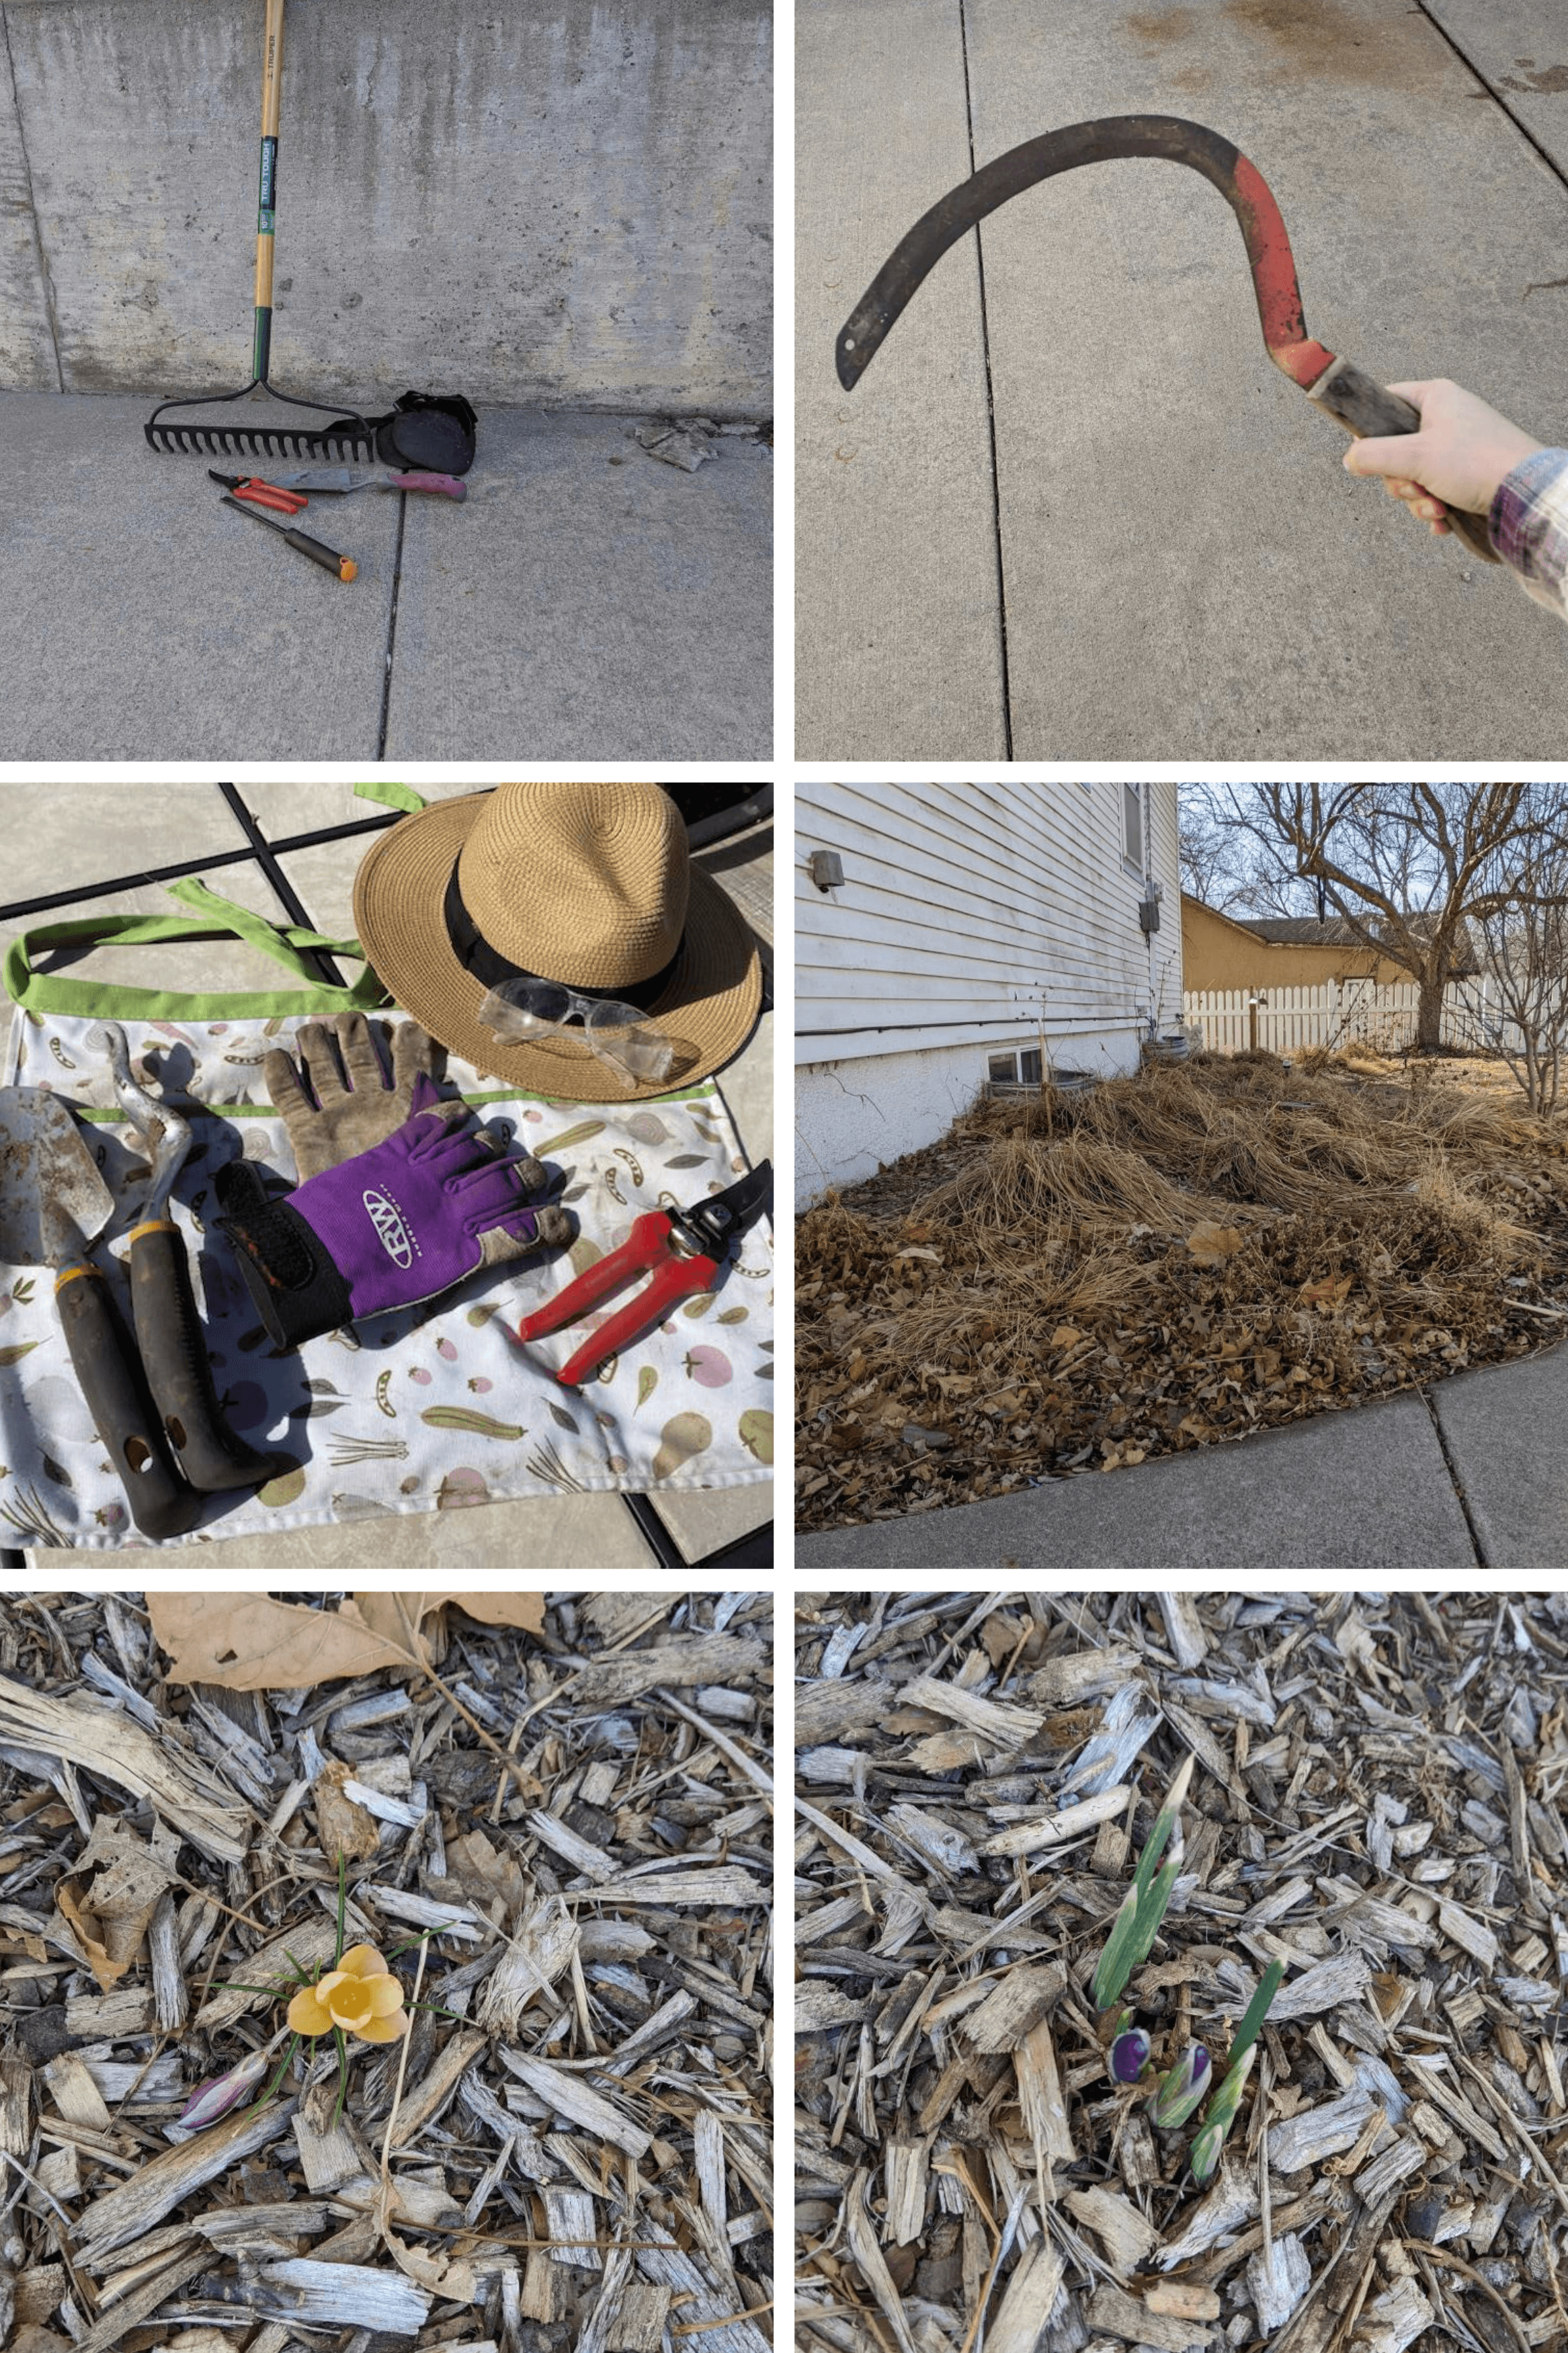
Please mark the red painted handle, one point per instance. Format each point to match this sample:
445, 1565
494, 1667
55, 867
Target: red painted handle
266, 494
649, 1239
677, 1279
441, 486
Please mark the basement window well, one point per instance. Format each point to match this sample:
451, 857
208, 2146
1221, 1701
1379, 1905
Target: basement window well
1019, 1068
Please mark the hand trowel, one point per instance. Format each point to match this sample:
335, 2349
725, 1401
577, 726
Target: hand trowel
53, 1201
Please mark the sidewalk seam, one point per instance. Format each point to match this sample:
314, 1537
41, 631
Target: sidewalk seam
46, 283
1493, 93
392, 630
990, 400
1454, 1479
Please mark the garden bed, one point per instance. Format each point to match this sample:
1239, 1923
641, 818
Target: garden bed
1082, 1281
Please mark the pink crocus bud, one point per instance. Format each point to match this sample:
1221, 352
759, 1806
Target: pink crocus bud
214, 2098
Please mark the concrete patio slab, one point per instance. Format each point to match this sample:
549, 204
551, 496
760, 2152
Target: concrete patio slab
533, 1534
1503, 1428
1308, 608
899, 626
593, 603
570, 608
1520, 49
1359, 1490
1187, 570
145, 620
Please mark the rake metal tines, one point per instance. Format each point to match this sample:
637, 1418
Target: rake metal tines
348, 437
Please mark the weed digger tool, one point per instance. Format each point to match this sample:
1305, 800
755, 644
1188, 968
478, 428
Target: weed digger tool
1364, 407
168, 1329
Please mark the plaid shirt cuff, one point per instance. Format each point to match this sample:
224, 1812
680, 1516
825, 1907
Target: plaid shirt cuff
1529, 524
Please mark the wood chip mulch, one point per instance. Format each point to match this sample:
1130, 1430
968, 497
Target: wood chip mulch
571, 2145
1377, 1801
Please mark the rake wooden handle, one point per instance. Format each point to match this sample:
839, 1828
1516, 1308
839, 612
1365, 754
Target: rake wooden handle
266, 196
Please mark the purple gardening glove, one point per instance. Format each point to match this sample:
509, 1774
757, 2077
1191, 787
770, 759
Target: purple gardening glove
396, 1225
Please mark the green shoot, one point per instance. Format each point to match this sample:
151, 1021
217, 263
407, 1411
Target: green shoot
1251, 2026
1221, 2116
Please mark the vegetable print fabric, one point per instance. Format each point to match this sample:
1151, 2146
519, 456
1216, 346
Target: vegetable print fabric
422, 1409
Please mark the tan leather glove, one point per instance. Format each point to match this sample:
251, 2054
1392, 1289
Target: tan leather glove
337, 1101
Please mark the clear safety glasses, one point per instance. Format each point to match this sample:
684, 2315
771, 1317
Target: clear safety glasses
522, 1011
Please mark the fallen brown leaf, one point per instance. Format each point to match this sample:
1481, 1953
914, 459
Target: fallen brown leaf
1211, 1244
246, 1641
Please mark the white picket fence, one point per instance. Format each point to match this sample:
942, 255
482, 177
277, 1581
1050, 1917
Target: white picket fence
1338, 1013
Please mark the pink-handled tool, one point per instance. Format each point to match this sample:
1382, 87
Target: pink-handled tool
338, 482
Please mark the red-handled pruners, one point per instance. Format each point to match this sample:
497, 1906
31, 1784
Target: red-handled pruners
683, 1250
254, 491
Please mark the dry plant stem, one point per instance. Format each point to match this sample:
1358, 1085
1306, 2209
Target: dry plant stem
398, 2097
1466, 2271
722, 1743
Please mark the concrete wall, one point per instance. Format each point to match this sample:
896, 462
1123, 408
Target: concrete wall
553, 201
852, 1116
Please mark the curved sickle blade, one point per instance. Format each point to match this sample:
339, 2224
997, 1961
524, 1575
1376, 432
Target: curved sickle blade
1163, 136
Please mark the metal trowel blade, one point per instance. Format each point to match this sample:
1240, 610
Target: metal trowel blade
53, 1198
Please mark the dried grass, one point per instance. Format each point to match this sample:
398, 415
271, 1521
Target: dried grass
1378, 1228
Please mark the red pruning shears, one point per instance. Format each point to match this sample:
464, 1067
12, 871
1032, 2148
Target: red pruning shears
255, 492
683, 1250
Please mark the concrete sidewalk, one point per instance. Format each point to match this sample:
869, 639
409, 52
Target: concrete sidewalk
1072, 512
1469, 1473
586, 602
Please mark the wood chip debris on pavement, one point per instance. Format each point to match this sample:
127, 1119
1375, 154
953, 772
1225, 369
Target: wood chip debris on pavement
570, 2148
1377, 1803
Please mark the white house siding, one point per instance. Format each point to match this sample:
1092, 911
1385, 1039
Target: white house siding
972, 920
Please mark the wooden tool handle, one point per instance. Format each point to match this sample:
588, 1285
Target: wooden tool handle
267, 196
1368, 411
123, 1413
175, 1357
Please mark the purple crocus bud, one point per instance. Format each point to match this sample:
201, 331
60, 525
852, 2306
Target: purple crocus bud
1180, 2089
214, 2098
1129, 2056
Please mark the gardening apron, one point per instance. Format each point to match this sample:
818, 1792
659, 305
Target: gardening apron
424, 1409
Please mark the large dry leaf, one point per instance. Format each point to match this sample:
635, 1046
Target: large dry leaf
1211, 1244
246, 1641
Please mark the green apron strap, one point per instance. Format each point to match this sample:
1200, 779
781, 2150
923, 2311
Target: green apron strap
217, 918
393, 796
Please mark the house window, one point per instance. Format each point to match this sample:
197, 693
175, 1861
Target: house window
1132, 827
1011, 1068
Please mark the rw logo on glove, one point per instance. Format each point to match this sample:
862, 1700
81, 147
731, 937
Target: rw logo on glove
390, 1230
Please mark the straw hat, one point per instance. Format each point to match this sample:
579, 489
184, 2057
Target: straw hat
590, 885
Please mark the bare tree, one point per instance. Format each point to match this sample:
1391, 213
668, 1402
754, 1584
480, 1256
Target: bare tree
1406, 866
1213, 866
1527, 975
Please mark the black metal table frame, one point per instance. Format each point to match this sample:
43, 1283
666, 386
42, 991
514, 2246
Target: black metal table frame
753, 1550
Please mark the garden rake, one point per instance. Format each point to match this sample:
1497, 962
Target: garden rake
349, 436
